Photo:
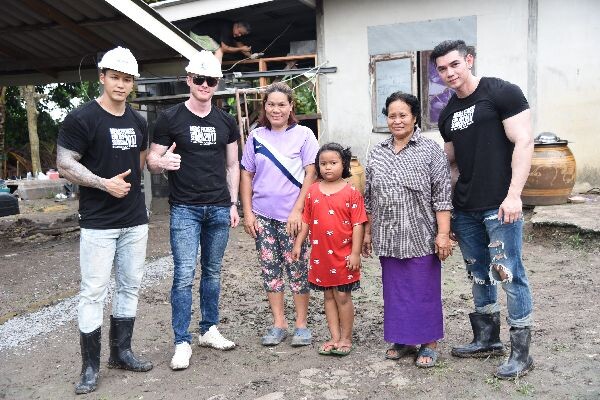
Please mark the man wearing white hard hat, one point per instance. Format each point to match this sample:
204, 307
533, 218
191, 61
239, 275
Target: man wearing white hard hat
102, 147
197, 144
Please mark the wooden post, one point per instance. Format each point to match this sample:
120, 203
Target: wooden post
262, 67
239, 115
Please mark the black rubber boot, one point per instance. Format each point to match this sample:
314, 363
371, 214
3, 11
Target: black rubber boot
121, 355
486, 337
90, 361
520, 362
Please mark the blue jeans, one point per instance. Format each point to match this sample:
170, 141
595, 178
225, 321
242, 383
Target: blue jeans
492, 253
99, 249
193, 226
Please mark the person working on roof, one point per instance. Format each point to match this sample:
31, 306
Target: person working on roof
222, 36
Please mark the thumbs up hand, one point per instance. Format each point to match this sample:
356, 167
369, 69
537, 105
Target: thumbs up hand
117, 186
170, 161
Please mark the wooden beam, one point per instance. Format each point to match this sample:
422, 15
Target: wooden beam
45, 10
269, 59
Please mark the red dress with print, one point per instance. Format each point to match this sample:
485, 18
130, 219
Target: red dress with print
331, 219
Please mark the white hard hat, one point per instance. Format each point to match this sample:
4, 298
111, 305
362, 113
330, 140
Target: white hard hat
120, 59
205, 63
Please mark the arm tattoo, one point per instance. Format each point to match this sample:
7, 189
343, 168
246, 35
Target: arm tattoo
69, 166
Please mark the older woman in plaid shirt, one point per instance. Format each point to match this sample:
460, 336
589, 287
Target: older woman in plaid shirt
408, 204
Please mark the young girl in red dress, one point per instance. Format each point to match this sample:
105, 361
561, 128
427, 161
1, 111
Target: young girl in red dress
334, 216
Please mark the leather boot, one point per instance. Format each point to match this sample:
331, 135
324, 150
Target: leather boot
486, 337
519, 362
121, 355
90, 361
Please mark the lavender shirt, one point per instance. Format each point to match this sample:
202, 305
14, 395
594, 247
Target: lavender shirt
273, 194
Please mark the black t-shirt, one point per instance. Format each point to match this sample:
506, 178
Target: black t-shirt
220, 30
109, 145
482, 151
202, 144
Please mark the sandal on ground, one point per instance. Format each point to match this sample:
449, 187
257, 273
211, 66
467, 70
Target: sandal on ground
343, 350
397, 351
302, 337
274, 336
326, 349
425, 351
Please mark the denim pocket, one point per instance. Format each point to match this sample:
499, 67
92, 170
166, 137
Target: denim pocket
221, 215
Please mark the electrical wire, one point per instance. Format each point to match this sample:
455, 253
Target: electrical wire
79, 71
263, 51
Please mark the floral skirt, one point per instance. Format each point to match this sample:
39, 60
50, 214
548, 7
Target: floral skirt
274, 248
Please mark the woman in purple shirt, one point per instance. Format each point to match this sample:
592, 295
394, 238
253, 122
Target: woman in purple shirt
278, 168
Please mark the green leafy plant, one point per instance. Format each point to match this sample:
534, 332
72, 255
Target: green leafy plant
305, 102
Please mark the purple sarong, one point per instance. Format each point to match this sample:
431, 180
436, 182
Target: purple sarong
412, 297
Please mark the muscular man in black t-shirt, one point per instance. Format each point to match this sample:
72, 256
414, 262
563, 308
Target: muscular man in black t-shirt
197, 144
102, 148
487, 133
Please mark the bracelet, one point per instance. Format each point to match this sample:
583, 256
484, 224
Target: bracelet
234, 203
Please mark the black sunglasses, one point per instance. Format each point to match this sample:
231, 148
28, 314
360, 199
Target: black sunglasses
200, 79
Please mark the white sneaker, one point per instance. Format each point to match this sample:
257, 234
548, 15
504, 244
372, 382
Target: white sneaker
213, 338
181, 358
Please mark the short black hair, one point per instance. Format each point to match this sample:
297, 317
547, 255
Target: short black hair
345, 155
447, 46
245, 25
412, 101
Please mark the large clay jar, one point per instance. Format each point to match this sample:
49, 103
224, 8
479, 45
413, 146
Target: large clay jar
358, 175
552, 175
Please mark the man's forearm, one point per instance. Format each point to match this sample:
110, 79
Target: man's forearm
233, 181
453, 174
152, 162
521, 164
230, 49
69, 166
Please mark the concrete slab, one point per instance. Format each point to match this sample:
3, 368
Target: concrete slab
585, 217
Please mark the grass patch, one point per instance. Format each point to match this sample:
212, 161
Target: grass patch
524, 388
493, 382
575, 241
442, 367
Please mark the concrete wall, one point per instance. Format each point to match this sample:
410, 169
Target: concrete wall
502, 31
569, 78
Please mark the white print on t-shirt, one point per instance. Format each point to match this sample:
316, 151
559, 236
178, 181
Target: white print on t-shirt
204, 135
462, 119
123, 139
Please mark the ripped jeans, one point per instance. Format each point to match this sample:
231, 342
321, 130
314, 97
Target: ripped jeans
492, 253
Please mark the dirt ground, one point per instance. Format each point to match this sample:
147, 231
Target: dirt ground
39, 268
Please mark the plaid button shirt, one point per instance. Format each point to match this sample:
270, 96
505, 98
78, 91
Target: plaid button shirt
403, 192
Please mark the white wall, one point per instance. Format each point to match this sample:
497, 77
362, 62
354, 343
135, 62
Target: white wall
569, 78
501, 46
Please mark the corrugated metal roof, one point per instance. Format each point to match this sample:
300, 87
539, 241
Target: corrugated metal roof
45, 41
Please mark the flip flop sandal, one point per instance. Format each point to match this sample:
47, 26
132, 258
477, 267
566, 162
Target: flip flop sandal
400, 351
426, 352
324, 346
342, 353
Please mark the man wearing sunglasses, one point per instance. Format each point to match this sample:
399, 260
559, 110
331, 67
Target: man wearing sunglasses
222, 36
197, 144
